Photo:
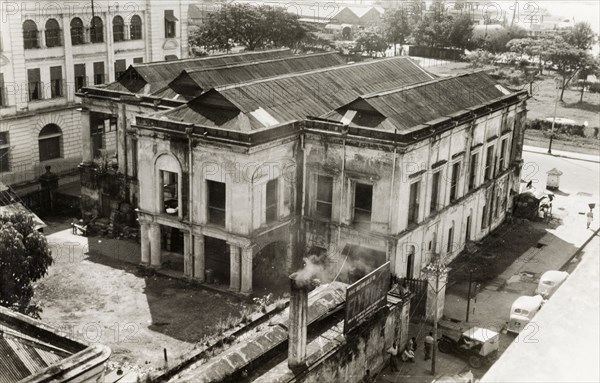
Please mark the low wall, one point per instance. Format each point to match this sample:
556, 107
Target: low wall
364, 348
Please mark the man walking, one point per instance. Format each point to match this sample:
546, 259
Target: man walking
428, 345
590, 218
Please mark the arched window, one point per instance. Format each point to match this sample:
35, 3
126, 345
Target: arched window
30, 35
118, 29
49, 142
52, 34
96, 31
135, 28
76, 31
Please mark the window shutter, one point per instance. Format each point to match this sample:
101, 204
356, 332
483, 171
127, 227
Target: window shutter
56, 73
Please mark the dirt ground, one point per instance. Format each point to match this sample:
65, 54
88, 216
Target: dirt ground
107, 300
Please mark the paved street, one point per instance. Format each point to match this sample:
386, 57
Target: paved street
580, 185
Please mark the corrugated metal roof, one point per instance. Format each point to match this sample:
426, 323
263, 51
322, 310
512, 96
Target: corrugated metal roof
159, 74
20, 358
296, 96
191, 83
411, 106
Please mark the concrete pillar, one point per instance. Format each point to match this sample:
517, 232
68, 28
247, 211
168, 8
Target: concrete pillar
122, 138
155, 250
199, 261
188, 261
42, 38
145, 243
69, 67
246, 279
234, 268
86, 137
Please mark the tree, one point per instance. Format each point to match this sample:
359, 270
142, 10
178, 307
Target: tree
371, 42
496, 40
24, 259
433, 31
569, 60
593, 68
480, 58
397, 27
461, 31
581, 36
252, 26
534, 48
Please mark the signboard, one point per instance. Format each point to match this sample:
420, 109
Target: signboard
367, 296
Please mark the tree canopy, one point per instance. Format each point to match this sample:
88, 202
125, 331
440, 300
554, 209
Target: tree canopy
254, 27
24, 259
581, 36
569, 60
442, 30
371, 42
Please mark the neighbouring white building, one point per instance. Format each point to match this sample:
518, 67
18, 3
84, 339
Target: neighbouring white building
48, 50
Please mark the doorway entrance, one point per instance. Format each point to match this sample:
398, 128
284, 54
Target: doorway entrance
217, 258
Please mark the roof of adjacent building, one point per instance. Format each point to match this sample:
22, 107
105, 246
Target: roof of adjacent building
324, 300
191, 83
34, 352
407, 107
149, 77
268, 102
562, 345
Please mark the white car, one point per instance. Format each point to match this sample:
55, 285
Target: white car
550, 282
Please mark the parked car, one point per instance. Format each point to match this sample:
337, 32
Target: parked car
477, 345
550, 282
522, 311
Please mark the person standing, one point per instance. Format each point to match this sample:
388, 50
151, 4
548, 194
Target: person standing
590, 218
393, 351
368, 378
428, 343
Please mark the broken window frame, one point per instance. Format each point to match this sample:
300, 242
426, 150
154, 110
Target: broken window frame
435, 192
455, 177
474, 168
171, 187
489, 163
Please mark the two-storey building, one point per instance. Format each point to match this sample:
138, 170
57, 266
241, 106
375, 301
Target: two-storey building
354, 164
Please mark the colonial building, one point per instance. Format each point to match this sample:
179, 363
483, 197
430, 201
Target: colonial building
49, 50
242, 167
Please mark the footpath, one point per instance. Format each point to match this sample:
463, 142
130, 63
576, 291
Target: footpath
563, 154
559, 248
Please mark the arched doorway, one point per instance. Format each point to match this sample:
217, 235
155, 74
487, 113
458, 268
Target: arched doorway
270, 271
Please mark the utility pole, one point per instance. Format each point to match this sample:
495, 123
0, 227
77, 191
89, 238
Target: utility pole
553, 118
469, 295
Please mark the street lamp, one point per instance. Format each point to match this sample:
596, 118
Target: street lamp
438, 270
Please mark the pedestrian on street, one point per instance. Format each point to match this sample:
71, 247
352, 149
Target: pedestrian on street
414, 343
428, 343
393, 351
408, 355
590, 218
410, 345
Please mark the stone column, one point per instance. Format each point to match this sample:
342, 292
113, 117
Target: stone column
145, 243
122, 138
246, 279
86, 137
234, 268
199, 262
155, 250
42, 38
188, 262
431, 308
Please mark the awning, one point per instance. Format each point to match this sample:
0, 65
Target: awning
169, 16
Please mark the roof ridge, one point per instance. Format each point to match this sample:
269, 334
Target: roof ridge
144, 65
297, 74
417, 84
237, 65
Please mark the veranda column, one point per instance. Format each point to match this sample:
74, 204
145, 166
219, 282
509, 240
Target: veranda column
234, 268
155, 250
188, 262
145, 243
86, 136
246, 280
199, 261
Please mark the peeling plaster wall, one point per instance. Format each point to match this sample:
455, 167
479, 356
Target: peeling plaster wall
365, 348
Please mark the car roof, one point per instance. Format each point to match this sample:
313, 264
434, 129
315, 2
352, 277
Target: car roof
527, 302
480, 334
554, 275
